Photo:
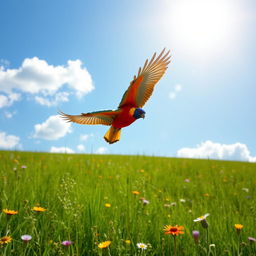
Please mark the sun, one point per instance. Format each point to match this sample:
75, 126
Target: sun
202, 25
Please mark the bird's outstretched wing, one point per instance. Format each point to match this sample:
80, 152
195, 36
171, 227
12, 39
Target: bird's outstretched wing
142, 86
100, 117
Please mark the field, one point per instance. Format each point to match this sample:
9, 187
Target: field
127, 200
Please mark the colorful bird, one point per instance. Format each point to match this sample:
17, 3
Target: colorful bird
130, 107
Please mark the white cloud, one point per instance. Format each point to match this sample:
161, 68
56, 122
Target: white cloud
52, 129
52, 100
61, 150
84, 137
4, 63
37, 77
177, 89
101, 150
7, 100
9, 114
80, 147
9, 141
213, 150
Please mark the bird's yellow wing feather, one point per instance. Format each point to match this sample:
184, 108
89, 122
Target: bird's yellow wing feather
142, 86
105, 117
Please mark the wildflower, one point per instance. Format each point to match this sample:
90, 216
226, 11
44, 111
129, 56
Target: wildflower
127, 241
38, 209
182, 200
9, 212
142, 246
26, 238
66, 243
212, 245
16, 161
173, 203
104, 244
23, 167
203, 221
167, 205
5, 240
206, 195
173, 230
196, 235
144, 201
136, 192
245, 190
187, 180
252, 239
107, 205
238, 228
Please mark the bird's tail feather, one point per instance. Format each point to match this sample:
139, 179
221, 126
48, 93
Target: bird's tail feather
112, 135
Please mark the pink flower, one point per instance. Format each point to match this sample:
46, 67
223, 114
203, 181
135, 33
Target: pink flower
252, 239
26, 238
66, 243
196, 234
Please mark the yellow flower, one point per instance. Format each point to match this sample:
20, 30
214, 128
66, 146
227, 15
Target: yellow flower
38, 209
206, 194
5, 240
107, 205
104, 244
127, 241
136, 192
9, 212
239, 226
16, 161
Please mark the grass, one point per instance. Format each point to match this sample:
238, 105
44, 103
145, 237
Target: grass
75, 188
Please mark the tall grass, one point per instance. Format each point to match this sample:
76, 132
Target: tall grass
75, 188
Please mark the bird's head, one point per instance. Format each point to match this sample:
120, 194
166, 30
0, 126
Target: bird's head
139, 113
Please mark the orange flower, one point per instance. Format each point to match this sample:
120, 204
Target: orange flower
9, 212
173, 230
5, 240
104, 244
136, 192
38, 209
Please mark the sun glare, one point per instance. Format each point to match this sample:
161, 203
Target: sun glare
202, 25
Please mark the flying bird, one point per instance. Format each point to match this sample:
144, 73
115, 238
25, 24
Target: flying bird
130, 107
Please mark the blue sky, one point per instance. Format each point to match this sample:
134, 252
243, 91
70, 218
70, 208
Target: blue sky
80, 56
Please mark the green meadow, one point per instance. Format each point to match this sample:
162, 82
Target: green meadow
90, 199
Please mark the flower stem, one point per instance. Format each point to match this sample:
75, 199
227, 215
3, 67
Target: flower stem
174, 245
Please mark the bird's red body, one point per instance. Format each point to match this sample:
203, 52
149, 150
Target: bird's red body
129, 109
125, 118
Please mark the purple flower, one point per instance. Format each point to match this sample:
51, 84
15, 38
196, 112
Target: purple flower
66, 243
252, 239
23, 167
196, 234
26, 238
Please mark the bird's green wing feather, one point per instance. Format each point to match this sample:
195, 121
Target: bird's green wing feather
142, 86
105, 117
